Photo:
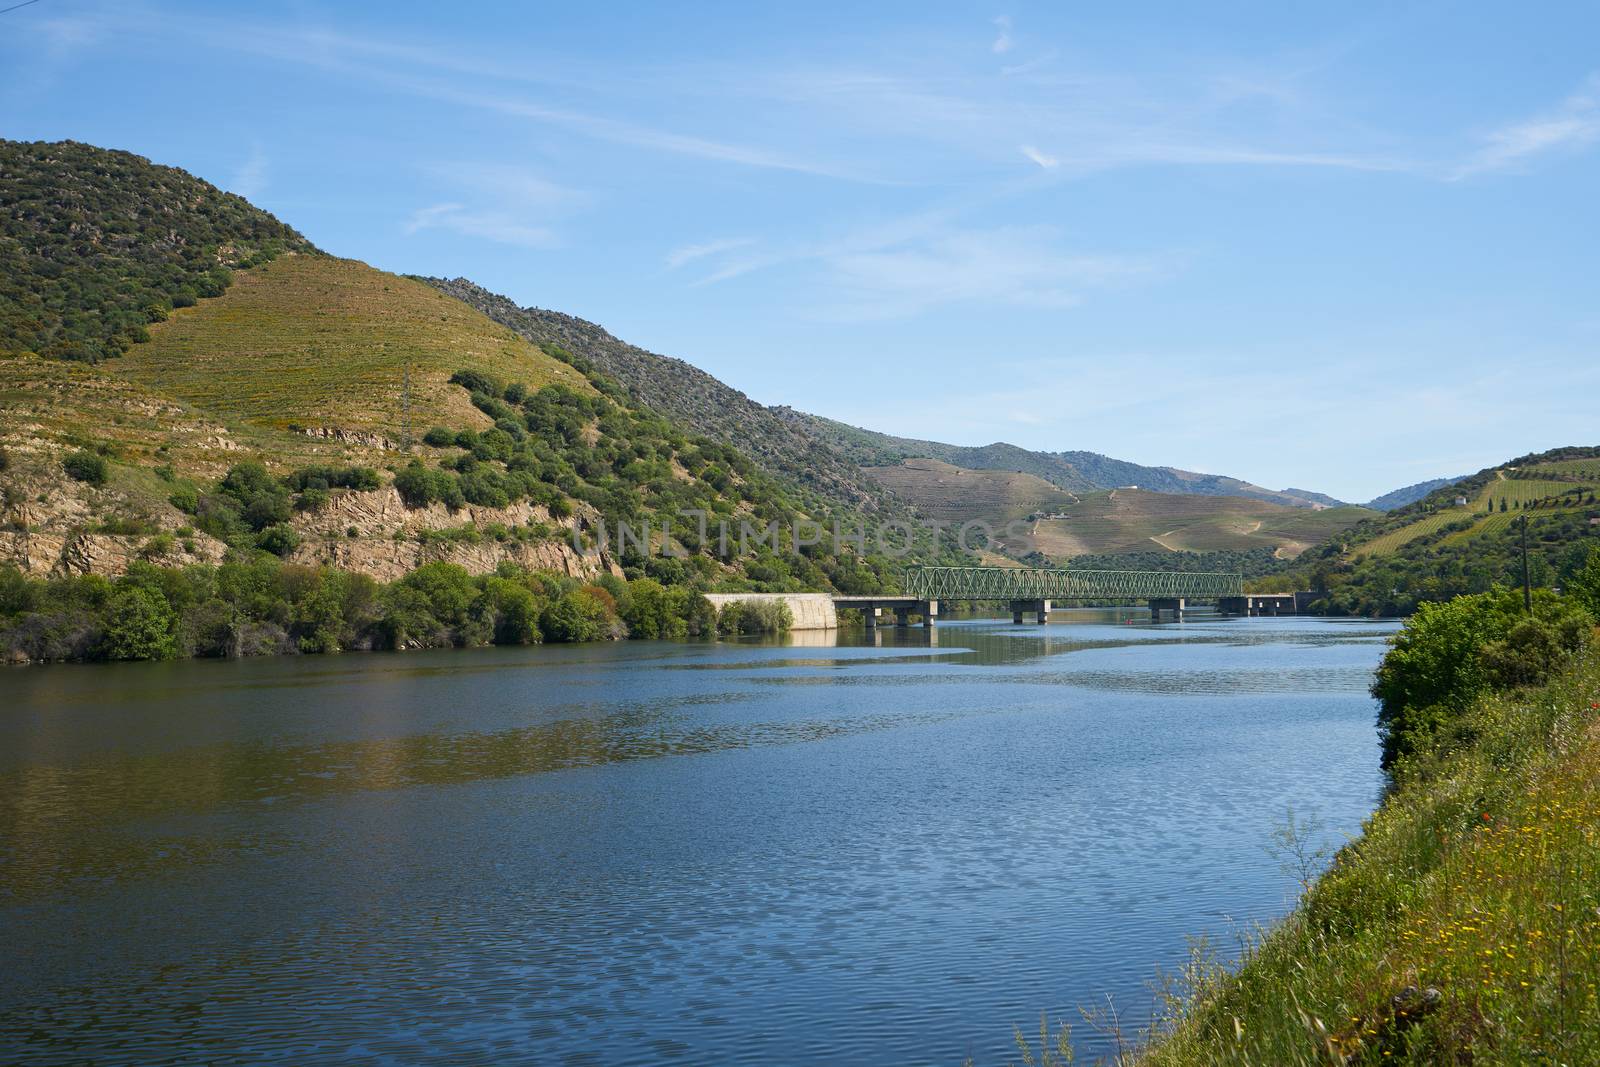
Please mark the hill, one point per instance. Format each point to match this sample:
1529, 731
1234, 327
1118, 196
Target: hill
1064, 524
954, 494
686, 393
272, 413
1399, 498
824, 452
95, 245
1463, 537
345, 335
1072, 471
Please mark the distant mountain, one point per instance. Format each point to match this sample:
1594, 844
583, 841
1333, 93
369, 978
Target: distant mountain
1316, 498
820, 452
1062, 525
1073, 471
1399, 498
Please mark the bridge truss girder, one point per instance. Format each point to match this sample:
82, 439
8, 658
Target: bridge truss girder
1033, 583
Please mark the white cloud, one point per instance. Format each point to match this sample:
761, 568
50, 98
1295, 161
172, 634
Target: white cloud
1016, 266
489, 225
508, 204
690, 253
1047, 162
1573, 124
1003, 41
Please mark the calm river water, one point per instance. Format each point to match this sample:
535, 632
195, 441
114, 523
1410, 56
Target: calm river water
656, 853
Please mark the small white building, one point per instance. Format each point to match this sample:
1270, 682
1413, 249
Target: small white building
1461, 501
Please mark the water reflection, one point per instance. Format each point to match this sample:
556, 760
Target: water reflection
737, 852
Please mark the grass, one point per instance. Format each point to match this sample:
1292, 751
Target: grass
955, 494
1109, 521
316, 341
1512, 490
1138, 520
1476, 879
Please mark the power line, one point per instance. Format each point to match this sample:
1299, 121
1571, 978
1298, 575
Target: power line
13, 7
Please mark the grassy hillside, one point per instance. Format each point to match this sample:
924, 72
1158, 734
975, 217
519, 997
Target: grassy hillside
96, 245
1461, 927
1109, 522
688, 394
1135, 520
315, 341
1433, 548
954, 494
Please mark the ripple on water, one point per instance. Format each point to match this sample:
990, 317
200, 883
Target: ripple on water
654, 853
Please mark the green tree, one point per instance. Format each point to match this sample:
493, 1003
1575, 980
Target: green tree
140, 624
577, 615
1450, 652
1584, 586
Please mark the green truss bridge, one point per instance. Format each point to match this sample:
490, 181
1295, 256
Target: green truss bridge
1029, 583
1032, 590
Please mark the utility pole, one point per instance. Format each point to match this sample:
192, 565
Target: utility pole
1527, 588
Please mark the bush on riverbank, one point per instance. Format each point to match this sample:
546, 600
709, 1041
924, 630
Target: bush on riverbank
1450, 653
755, 617
1463, 926
262, 606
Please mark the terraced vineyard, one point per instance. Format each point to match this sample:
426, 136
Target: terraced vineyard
1137, 520
344, 334
1513, 490
955, 494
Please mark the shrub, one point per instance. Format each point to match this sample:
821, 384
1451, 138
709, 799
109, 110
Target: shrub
578, 615
515, 611
755, 617
86, 467
439, 437
280, 539
1451, 652
420, 486
140, 625
185, 498
476, 382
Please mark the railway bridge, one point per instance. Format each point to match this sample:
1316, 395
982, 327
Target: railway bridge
1033, 590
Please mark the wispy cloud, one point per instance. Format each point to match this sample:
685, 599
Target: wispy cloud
1047, 162
489, 225
690, 253
250, 180
497, 202
1016, 266
1003, 41
1573, 124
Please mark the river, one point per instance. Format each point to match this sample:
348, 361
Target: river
869, 849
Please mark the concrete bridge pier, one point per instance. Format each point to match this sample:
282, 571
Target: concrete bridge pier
1039, 608
872, 609
1174, 604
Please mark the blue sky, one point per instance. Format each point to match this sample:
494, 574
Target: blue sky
1341, 247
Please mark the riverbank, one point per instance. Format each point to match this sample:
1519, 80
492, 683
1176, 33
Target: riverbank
261, 606
1461, 927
